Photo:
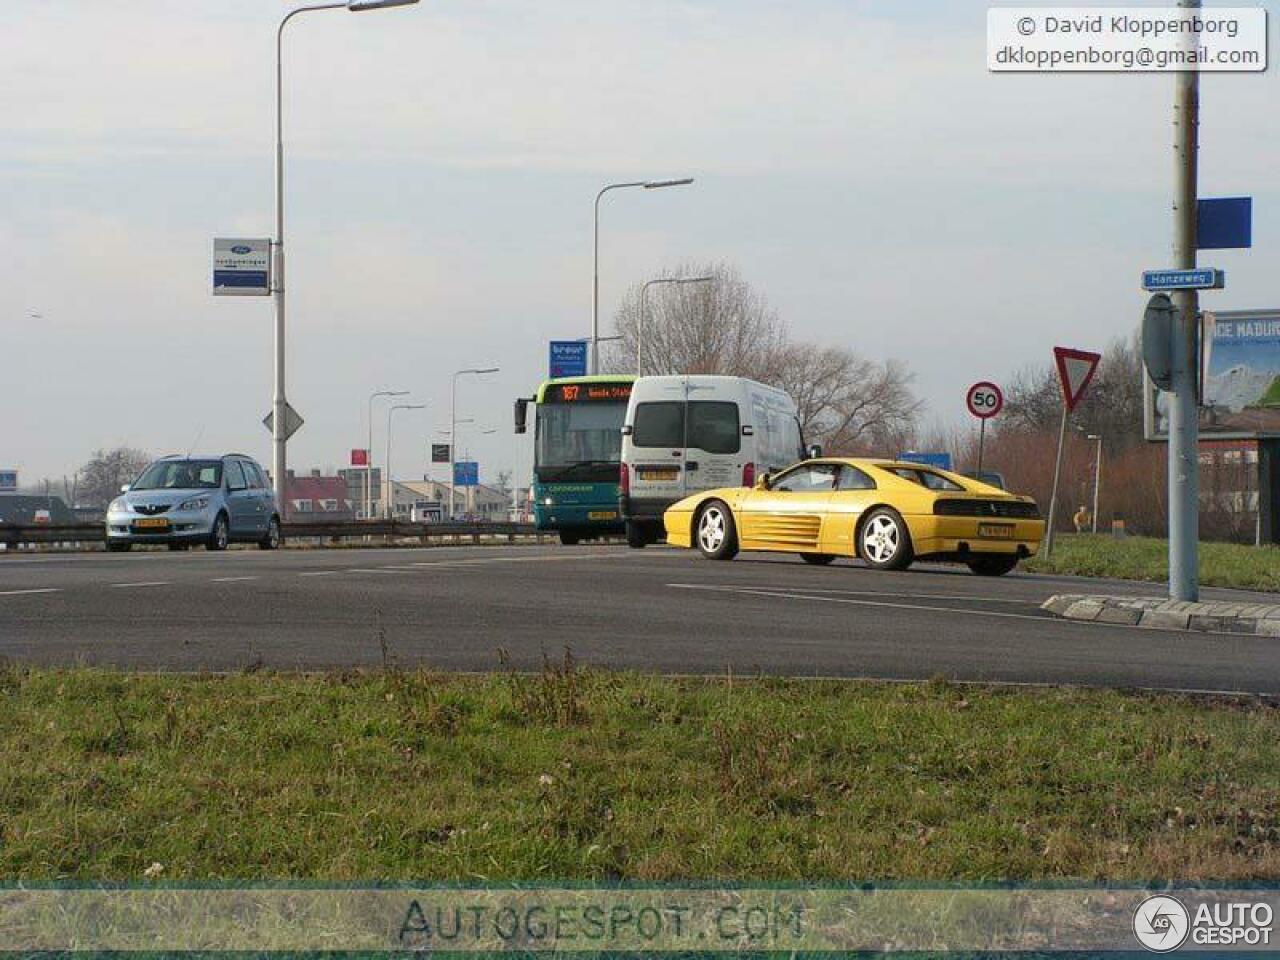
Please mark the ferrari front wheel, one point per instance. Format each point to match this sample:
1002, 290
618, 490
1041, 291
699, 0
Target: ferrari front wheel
885, 542
716, 533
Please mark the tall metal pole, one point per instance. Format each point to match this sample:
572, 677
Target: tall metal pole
387, 482
982, 436
644, 290
1184, 468
368, 470
1097, 481
453, 437
1057, 472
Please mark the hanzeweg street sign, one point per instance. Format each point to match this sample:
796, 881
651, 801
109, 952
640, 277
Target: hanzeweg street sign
984, 399
1075, 369
1197, 279
241, 268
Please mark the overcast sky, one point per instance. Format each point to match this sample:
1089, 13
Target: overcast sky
855, 160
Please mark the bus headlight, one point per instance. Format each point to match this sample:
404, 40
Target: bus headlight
548, 501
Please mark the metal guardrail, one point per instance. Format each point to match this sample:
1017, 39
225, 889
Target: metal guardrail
13, 535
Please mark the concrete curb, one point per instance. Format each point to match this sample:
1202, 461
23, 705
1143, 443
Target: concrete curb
1214, 616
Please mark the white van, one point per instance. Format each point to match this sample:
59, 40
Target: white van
684, 434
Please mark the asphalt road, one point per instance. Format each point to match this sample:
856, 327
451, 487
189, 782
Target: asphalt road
659, 609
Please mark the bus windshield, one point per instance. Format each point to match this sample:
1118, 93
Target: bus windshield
579, 441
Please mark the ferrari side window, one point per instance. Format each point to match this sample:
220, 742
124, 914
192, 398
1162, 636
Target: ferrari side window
809, 479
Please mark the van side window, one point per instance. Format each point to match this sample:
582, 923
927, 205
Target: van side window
659, 424
713, 426
851, 478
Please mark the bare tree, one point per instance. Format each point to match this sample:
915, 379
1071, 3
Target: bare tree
723, 326
846, 402
102, 477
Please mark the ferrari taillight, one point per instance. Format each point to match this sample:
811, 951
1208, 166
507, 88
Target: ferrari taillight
624, 479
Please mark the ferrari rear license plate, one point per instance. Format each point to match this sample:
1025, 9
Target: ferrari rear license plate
657, 474
997, 531
602, 515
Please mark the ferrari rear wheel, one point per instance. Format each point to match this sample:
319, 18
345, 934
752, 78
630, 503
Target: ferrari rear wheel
996, 565
715, 532
817, 559
885, 542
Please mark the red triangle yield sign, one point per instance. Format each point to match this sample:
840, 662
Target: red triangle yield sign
1075, 369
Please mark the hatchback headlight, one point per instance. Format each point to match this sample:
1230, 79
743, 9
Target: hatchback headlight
118, 505
195, 503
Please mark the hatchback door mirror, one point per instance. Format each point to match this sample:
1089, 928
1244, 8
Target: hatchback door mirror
763, 482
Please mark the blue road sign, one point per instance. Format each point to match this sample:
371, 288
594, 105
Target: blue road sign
568, 358
940, 460
1224, 223
8, 479
466, 473
1204, 278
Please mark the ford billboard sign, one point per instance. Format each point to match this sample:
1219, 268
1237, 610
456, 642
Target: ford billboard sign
241, 268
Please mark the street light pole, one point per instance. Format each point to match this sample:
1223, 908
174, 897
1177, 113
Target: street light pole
644, 290
453, 427
595, 255
1097, 477
386, 502
368, 466
279, 434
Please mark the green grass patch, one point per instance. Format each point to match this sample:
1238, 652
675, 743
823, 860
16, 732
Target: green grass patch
573, 775
1146, 558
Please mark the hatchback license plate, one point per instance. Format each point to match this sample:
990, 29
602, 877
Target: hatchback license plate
999, 531
151, 523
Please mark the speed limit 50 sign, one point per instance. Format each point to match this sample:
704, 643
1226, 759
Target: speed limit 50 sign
984, 399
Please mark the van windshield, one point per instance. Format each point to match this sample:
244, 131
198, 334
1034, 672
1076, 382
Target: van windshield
181, 475
713, 425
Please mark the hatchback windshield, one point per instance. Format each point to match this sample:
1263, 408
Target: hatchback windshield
181, 475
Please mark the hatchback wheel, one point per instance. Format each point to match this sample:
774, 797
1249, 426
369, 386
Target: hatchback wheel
272, 540
885, 543
219, 536
716, 533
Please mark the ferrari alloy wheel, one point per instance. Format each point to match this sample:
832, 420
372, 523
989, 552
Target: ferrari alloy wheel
717, 535
885, 543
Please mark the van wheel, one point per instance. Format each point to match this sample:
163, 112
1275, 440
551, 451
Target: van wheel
817, 559
637, 535
884, 541
715, 532
569, 539
220, 535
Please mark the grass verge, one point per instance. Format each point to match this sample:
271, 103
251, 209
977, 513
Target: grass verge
1146, 558
600, 776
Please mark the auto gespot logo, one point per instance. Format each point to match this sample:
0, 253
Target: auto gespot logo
1161, 923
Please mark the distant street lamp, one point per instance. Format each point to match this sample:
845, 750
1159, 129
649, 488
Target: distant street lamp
453, 425
279, 426
1097, 477
644, 290
595, 260
386, 503
368, 464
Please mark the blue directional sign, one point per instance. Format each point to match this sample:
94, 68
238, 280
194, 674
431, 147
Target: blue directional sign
940, 460
466, 473
568, 358
8, 480
1224, 223
1199, 279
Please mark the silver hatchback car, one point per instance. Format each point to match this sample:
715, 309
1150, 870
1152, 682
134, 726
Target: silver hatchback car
185, 500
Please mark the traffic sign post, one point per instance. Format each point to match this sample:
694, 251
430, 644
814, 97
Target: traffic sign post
984, 401
1075, 371
567, 358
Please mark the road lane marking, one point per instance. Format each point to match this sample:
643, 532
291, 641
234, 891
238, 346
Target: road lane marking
27, 593
893, 593
231, 579
319, 573
144, 583
787, 595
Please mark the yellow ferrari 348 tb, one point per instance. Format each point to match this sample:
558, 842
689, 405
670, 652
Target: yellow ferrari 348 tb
885, 512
